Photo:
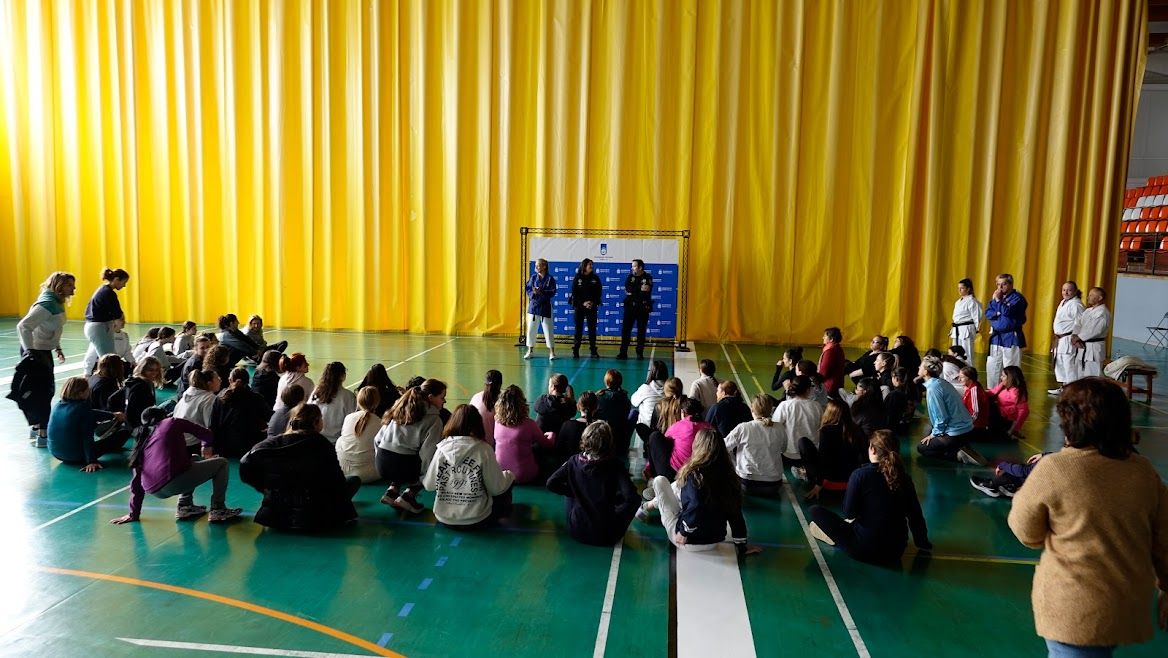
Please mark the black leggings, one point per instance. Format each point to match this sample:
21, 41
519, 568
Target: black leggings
944, 447
583, 314
660, 448
844, 536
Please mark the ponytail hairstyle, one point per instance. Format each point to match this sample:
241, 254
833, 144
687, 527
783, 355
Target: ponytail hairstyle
57, 282
292, 363
588, 404
237, 381
1078, 293
1016, 380
492, 386
673, 388
150, 336
970, 373
164, 333
412, 406
906, 384
330, 382
225, 321
111, 365
968, 285
712, 471
292, 396
891, 359
658, 372
802, 386
613, 380
763, 407
729, 389
189, 325
304, 418
692, 408
109, 276
559, 383
888, 460
668, 408
367, 400
511, 408
200, 379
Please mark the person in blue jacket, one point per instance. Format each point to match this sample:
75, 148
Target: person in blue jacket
72, 425
952, 426
541, 289
1006, 313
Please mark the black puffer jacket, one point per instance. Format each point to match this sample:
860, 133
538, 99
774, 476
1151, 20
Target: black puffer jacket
301, 480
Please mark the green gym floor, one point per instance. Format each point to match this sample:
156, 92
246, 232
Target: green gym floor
74, 585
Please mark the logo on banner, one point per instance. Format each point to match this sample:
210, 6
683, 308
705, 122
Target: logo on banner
603, 248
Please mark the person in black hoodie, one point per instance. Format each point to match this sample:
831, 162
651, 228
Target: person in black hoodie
900, 405
729, 411
193, 363
785, 371
378, 377
585, 300
572, 431
138, 393
907, 354
298, 473
868, 408
267, 377
241, 346
106, 381
601, 500
555, 406
240, 420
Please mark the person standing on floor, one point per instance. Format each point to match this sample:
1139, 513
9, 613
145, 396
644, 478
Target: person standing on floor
541, 289
1007, 315
585, 300
967, 312
100, 313
1062, 352
1099, 512
638, 305
831, 361
1090, 332
40, 332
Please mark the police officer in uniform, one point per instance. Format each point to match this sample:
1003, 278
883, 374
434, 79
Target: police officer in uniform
585, 299
638, 304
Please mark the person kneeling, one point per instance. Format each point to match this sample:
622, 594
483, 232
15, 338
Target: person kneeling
72, 425
300, 478
601, 499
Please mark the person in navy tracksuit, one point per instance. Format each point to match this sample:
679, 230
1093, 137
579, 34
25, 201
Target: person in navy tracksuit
541, 289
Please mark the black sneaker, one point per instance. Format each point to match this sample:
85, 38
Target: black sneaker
621, 356
576, 353
984, 485
595, 354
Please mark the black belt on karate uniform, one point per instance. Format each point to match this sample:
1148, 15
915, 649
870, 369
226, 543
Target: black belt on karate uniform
962, 324
1090, 340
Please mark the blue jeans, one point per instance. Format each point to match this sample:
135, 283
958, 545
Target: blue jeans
1060, 650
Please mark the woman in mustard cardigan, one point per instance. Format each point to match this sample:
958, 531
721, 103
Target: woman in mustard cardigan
1099, 512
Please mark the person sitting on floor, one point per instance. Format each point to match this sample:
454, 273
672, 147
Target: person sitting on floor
73, 423
357, 445
708, 498
266, 379
471, 491
668, 452
334, 400
842, 446
298, 474
572, 430
406, 442
1010, 404
520, 446
555, 406
1008, 477
880, 498
729, 411
289, 399
378, 377
613, 407
756, 447
601, 499
705, 387
799, 417
240, 418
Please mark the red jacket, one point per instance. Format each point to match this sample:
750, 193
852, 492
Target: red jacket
831, 367
977, 402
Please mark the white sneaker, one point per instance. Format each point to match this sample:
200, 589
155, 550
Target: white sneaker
800, 472
528, 355
1054, 391
552, 356
819, 534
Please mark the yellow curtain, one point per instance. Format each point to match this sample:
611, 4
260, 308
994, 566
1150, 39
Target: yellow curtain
367, 165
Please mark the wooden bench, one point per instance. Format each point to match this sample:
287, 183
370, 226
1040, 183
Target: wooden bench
1129, 376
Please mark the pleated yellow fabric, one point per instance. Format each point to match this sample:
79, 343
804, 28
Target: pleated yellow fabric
367, 165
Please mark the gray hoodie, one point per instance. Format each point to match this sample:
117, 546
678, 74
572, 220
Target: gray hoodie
420, 438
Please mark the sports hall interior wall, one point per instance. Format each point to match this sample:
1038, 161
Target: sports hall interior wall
368, 165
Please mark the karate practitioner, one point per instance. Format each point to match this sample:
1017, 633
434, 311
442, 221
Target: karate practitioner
967, 313
1064, 355
1091, 329
1007, 315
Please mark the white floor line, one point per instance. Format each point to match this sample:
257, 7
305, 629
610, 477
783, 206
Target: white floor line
606, 608
836, 595
82, 508
65, 367
712, 618
354, 386
230, 648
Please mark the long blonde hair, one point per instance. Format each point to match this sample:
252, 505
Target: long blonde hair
367, 400
56, 282
763, 408
511, 408
669, 406
712, 471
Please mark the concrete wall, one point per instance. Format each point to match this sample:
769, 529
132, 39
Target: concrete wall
1139, 302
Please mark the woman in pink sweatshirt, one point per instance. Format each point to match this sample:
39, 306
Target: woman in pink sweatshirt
518, 439
1012, 403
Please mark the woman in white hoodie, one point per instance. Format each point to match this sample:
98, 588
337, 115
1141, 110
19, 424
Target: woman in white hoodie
645, 398
335, 401
470, 490
293, 371
198, 401
40, 335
